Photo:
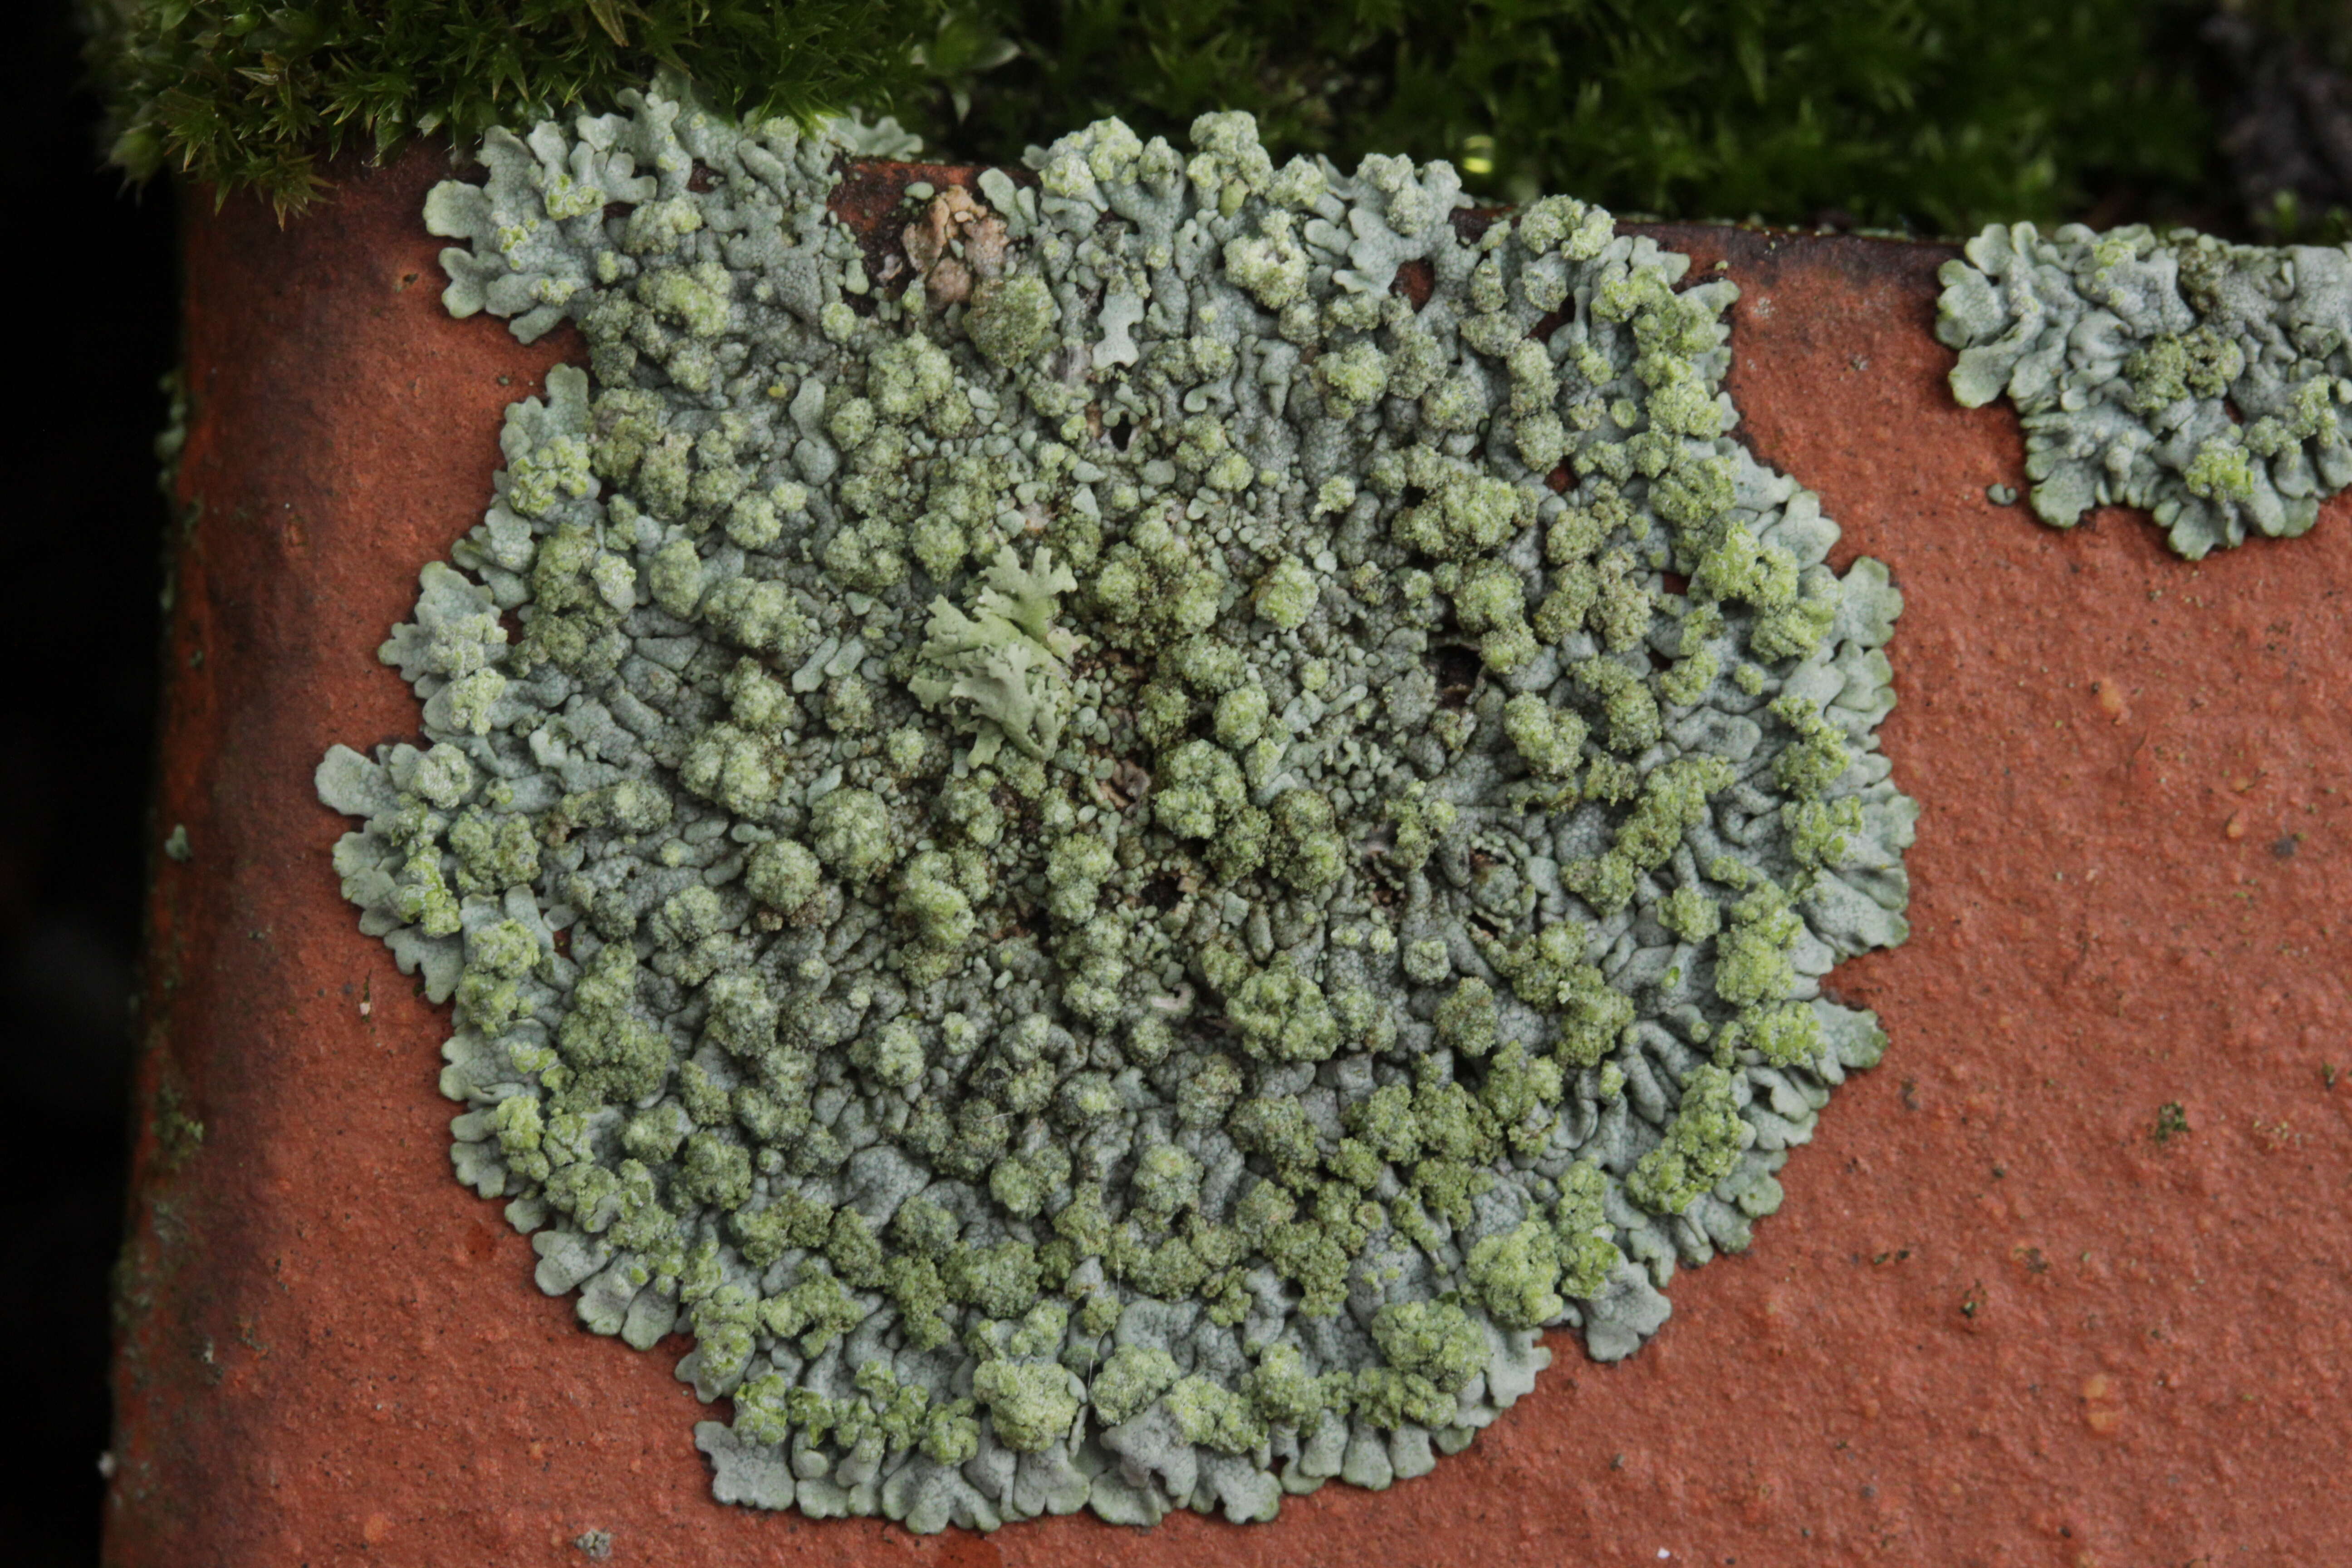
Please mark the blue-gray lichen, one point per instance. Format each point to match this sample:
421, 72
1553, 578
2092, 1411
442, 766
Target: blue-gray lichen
1117, 874
2198, 379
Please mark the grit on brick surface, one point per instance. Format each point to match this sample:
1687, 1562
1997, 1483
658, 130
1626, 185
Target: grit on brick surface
2014, 1312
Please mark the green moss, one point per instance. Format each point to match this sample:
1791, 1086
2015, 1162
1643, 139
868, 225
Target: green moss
1241, 716
1783, 1035
1690, 914
613, 1054
951, 1436
1167, 1178
1819, 755
1202, 786
1465, 1019
1382, 1396
1423, 823
1466, 513
790, 1221
242, 97
1550, 740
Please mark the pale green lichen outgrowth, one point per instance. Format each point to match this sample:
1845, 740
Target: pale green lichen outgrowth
1115, 879
1007, 660
2203, 380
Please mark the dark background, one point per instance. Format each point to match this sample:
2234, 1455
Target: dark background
94, 319
94, 331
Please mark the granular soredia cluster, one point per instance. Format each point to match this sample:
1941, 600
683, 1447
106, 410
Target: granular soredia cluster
2199, 379
1116, 865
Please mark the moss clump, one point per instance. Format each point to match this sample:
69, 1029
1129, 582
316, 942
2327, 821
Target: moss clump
242, 96
1939, 115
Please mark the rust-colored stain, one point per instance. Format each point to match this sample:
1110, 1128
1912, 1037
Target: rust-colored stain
2064, 1283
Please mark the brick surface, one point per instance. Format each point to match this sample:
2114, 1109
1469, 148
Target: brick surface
1998, 1323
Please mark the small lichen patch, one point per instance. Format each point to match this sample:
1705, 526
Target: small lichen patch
2203, 380
1080, 868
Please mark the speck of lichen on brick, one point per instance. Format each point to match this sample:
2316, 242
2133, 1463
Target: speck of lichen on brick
1079, 867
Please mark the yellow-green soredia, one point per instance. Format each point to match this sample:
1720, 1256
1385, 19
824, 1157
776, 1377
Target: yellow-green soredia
1118, 863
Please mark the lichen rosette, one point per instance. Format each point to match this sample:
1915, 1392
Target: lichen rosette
1118, 865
